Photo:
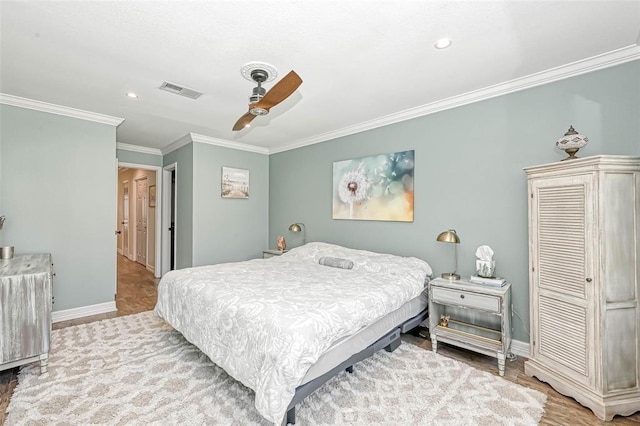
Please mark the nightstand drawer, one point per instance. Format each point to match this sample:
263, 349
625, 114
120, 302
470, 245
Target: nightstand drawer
466, 299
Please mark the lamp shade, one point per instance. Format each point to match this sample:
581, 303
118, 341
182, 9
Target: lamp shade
449, 236
294, 227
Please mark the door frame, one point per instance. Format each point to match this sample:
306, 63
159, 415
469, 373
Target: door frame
159, 193
166, 215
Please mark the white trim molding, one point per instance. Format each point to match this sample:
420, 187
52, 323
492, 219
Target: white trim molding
185, 140
228, 144
616, 57
521, 348
194, 137
83, 311
138, 148
59, 110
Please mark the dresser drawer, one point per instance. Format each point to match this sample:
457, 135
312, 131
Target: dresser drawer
466, 299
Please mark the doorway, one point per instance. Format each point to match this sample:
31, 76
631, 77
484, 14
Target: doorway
139, 216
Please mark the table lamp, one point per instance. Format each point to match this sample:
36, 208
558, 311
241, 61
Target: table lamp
450, 236
297, 227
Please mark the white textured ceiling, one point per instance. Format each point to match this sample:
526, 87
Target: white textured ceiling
362, 62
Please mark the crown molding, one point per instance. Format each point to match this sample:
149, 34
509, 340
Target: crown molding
184, 140
194, 137
59, 110
228, 144
595, 63
138, 148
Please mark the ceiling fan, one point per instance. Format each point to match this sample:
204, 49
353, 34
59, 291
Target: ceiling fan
261, 101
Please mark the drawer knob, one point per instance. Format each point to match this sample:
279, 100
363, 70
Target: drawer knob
462, 296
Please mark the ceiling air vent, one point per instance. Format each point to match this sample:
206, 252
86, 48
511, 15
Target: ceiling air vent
179, 90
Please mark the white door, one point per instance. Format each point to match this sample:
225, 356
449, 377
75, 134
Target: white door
125, 219
141, 221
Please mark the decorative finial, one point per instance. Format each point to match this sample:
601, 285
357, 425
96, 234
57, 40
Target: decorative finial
571, 131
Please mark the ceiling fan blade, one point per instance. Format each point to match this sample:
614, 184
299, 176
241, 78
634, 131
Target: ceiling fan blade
243, 121
280, 91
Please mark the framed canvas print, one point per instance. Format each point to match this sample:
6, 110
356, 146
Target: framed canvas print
235, 183
379, 187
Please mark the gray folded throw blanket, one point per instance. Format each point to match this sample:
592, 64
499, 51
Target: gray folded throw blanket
336, 262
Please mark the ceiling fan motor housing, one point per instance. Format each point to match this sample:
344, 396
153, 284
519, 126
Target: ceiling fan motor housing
259, 76
258, 93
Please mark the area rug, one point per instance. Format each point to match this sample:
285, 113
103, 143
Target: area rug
136, 370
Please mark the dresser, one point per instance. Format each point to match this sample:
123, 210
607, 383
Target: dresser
584, 280
25, 310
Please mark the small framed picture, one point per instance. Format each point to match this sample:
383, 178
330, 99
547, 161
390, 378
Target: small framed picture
235, 183
152, 196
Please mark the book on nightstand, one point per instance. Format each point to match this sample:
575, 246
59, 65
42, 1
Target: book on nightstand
492, 282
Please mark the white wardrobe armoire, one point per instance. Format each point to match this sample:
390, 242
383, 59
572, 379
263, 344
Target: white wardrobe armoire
584, 280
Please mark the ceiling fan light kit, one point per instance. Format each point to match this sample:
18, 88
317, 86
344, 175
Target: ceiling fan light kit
261, 101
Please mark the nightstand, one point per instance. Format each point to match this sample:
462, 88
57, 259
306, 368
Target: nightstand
270, 253
479, 317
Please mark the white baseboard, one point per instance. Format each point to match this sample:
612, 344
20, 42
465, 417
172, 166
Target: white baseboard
83, 311
151, 269
521, 348
120, 252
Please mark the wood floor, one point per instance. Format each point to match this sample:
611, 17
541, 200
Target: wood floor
137, 293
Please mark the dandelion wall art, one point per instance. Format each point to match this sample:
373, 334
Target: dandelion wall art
379, 187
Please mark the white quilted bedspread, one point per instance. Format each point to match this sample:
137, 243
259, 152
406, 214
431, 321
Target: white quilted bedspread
266, 321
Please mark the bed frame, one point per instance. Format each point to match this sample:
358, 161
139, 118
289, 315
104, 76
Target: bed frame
389, 342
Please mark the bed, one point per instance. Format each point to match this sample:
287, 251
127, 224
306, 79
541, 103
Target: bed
283, 326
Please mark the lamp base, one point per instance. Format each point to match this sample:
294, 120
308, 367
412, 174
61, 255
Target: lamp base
450, 276
572, 153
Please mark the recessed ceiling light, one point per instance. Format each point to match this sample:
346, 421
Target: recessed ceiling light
132, 95
443, 43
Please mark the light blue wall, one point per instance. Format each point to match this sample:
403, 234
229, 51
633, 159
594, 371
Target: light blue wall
228, 229
57, 189
468, 174
183, 157
125, 156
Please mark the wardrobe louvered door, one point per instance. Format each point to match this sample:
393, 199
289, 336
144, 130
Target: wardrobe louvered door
584, 280
561, 267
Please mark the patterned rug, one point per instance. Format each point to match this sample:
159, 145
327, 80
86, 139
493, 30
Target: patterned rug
138, 370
